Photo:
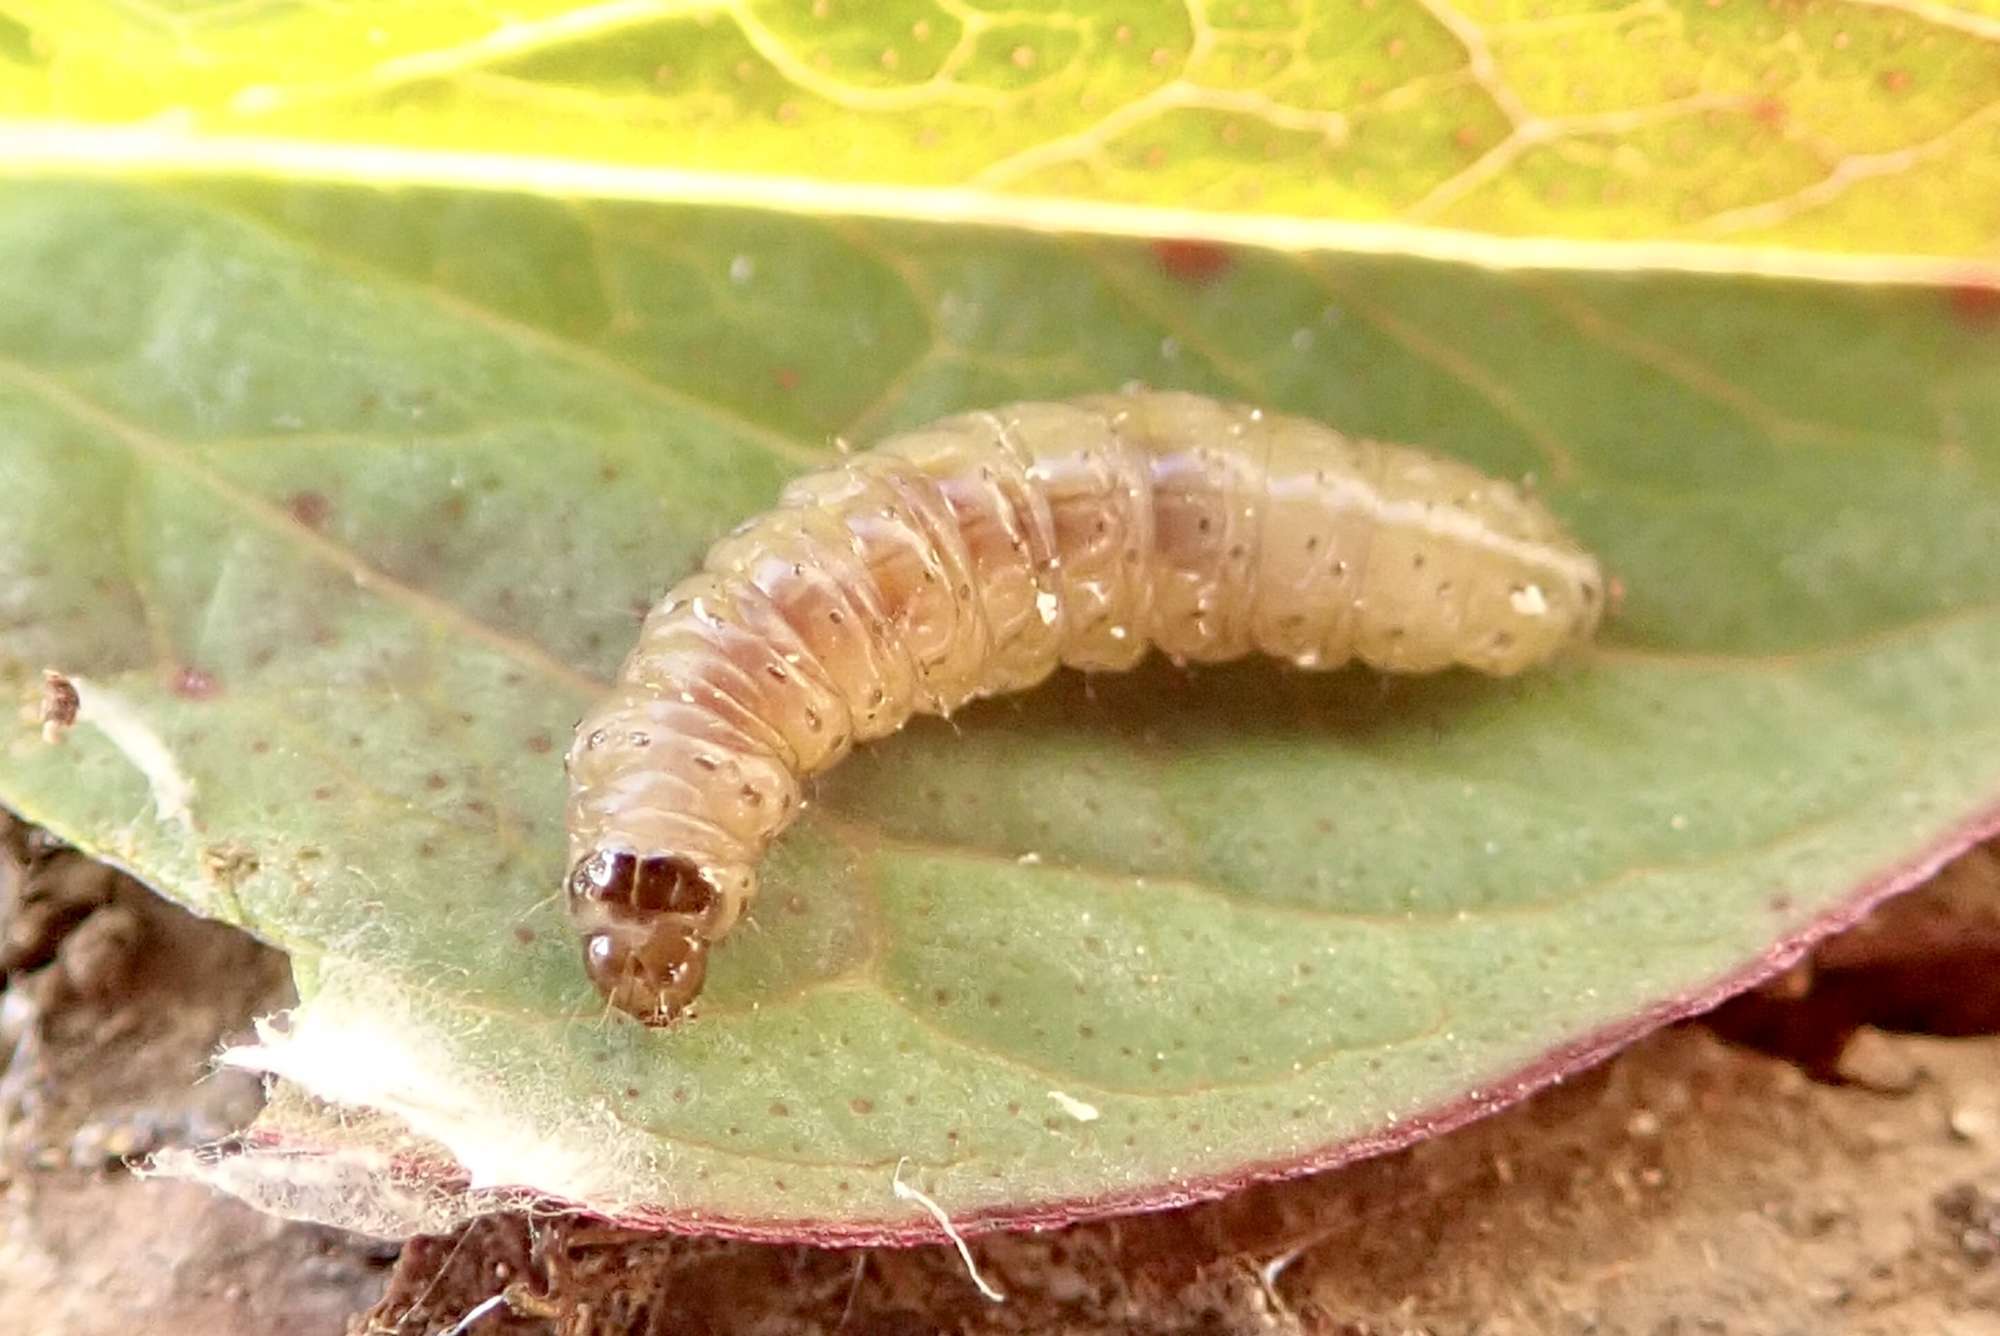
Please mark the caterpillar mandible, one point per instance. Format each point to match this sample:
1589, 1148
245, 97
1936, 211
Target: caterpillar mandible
974, 556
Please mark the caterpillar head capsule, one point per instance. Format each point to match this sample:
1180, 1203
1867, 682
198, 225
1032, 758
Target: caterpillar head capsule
651, 973
645, 924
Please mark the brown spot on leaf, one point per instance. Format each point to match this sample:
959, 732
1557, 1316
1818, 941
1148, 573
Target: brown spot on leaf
228, 863
311, 509
540, 744
1190, 260
1976, 302
194, 684
524, 935
60, 704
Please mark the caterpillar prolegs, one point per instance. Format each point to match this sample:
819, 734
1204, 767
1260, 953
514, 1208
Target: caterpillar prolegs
974, 556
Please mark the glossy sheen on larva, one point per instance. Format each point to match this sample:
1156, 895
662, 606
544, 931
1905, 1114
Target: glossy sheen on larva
974, 556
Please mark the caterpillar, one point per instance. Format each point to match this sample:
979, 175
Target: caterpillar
972, 558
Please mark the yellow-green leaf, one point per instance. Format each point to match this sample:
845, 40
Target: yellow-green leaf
1470, 127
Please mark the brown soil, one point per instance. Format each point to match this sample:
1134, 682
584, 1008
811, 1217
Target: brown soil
1823, 1156
114, 1002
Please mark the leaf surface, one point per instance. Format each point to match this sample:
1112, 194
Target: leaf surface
341, 504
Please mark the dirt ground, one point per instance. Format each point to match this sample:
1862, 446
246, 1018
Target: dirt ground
1823, 1156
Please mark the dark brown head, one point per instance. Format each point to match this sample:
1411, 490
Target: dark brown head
648, 971
645, 923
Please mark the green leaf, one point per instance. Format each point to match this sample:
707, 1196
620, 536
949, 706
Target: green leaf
1860, 127
341, 503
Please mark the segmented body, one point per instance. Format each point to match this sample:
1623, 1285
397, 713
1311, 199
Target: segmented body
973, 557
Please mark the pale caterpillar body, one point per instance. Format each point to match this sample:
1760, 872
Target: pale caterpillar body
973, 557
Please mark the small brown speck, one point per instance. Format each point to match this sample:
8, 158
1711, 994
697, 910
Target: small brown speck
309, 508
60, 703
194, 684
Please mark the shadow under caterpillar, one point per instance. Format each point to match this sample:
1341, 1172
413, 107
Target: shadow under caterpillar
973, 557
